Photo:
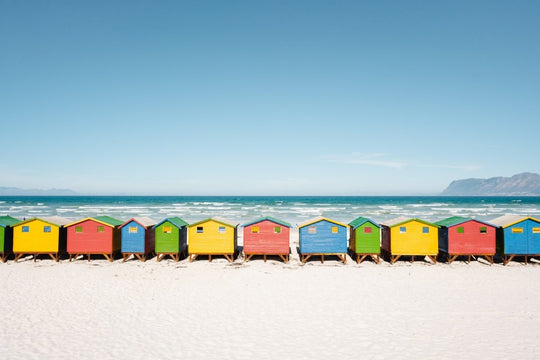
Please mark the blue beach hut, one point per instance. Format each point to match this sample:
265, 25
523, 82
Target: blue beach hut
137, 238
517, 236
322, 236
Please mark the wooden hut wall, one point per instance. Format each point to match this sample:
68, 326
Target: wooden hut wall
90, 236
414, 238
522, 238
137, 238
366, 238
319, 238
211, 240
266, 240
169, 238
470, 237
38, 236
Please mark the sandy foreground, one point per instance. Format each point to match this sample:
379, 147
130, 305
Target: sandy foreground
270, 310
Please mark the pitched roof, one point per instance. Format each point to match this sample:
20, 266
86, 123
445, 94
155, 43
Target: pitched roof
453, 220
509, 220
456, 220
143, 221
92, 219
403, 220
176, 221
317, 219
51, 220
269, 218
8, 221
109, 220
359, 221
216, 219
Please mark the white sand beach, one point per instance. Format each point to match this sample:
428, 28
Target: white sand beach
270, 310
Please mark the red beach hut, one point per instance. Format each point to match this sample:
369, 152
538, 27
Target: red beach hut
463, 236
267, 236
91, 236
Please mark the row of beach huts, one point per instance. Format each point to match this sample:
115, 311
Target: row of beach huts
508, 236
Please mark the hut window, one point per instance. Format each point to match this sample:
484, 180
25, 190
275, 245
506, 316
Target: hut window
78, 229
47, 229
334, 230
367, 230
167, 229
277, 229
312, 230
101, 229
402, 229
133, 229
221, 230
200, 229
425, 230
483, 230
536, 230
460, 230
255, 229
517, 230
26, 229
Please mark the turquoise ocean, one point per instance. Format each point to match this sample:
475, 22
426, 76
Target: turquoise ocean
293, 209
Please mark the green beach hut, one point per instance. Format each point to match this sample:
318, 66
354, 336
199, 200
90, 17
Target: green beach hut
6, 236
365, 239
170, 238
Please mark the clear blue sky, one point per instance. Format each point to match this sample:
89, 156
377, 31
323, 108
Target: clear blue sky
267, 97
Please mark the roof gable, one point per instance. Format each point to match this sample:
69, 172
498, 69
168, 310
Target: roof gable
145, 222
359, 221
214, 219
109, 220
318, 219
269, 218
458, 220
90, 219
404, 220
509, 220
52, 220
176, 221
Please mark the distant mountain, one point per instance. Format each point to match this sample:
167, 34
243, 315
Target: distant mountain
525, 184
13, 191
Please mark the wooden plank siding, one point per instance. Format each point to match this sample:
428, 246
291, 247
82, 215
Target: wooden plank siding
467, 237
322, 236
365, 236
410, 237
137, 236
100, 235
40, 236
520, 237
267, 236
170, 236
212, 237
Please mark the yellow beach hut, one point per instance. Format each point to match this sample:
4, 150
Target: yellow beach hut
214, 236
40, 236
409, 237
